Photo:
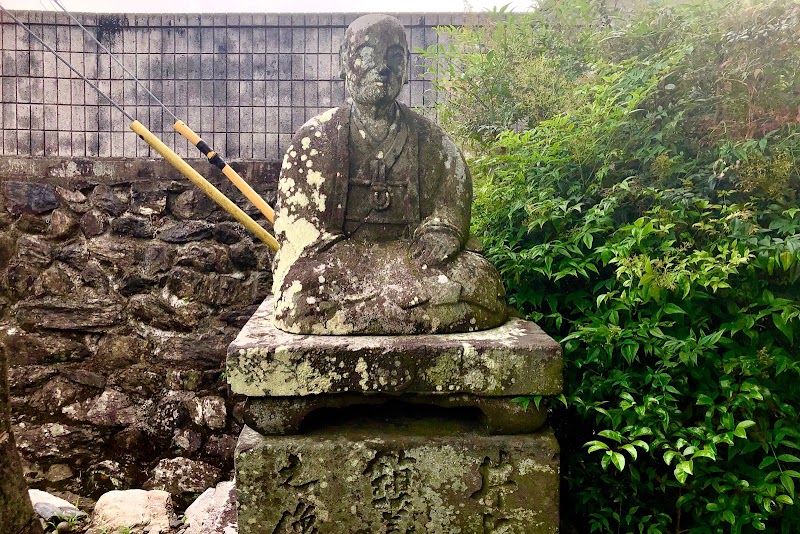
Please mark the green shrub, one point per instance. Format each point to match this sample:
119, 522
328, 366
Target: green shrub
650, 223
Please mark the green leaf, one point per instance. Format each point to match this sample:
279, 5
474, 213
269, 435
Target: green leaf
787, 259
618, 460
611, 434
781, 324
739, 431
784, 499
605, 460
788, 458
728, 516
681, 476
788, 484
595, 446
668, 456
522, 401
705, 453
631, 450
766, 462
673, 309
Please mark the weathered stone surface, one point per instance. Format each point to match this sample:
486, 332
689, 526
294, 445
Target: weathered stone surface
16, 513
243, 255
158, 258
186, 379
107, 475
286, 415
34, 251
185, 231
85, 377
207, 257
191, 204
6, 249
75, 200
120, 252
30, 197
56, 394
214, 511
49, 506
182, 476
420, 476
213, 288
206, 351
74, 253
61, 314
62, 223
58, 472
139, 511
119, 351
158, 312
143, 379
187, 440
107, 199
111, 408
181, 347
148, 198
172, 410
133, 226
514, 359
220, 446
209, 411
32, 224
35, 348
56, 440
373, 211
57, 280
228, 233
94, 223
26, 376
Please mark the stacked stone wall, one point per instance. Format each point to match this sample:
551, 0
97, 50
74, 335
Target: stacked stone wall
121, 286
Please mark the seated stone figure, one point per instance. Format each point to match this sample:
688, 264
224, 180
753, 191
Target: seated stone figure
373, 211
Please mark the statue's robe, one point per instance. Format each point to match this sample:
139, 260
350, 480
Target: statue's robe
345, 220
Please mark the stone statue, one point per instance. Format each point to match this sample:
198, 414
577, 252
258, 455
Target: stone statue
373, 211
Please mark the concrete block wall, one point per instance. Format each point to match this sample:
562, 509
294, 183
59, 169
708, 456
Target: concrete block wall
244, 82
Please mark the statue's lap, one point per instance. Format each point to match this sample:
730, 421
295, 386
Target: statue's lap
360, 287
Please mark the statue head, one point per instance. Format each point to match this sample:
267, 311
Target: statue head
373, 59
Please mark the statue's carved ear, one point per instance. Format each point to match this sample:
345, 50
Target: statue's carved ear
408, 66
343, 60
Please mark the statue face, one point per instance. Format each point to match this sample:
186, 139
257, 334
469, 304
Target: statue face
375, 60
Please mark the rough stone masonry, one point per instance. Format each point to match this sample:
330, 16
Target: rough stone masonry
120, 288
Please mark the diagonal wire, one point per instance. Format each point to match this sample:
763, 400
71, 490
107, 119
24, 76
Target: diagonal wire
81, 76
113, 57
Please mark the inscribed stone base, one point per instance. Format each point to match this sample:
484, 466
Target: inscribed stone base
428, 475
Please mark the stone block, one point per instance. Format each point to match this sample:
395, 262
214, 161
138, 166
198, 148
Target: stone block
517, 358
423, 476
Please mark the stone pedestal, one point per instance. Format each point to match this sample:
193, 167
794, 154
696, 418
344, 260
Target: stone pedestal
300, 468
422, 476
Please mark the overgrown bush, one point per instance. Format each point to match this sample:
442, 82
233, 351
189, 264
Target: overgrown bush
649, 221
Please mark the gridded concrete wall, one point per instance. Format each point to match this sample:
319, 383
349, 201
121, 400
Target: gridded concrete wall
245, 83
